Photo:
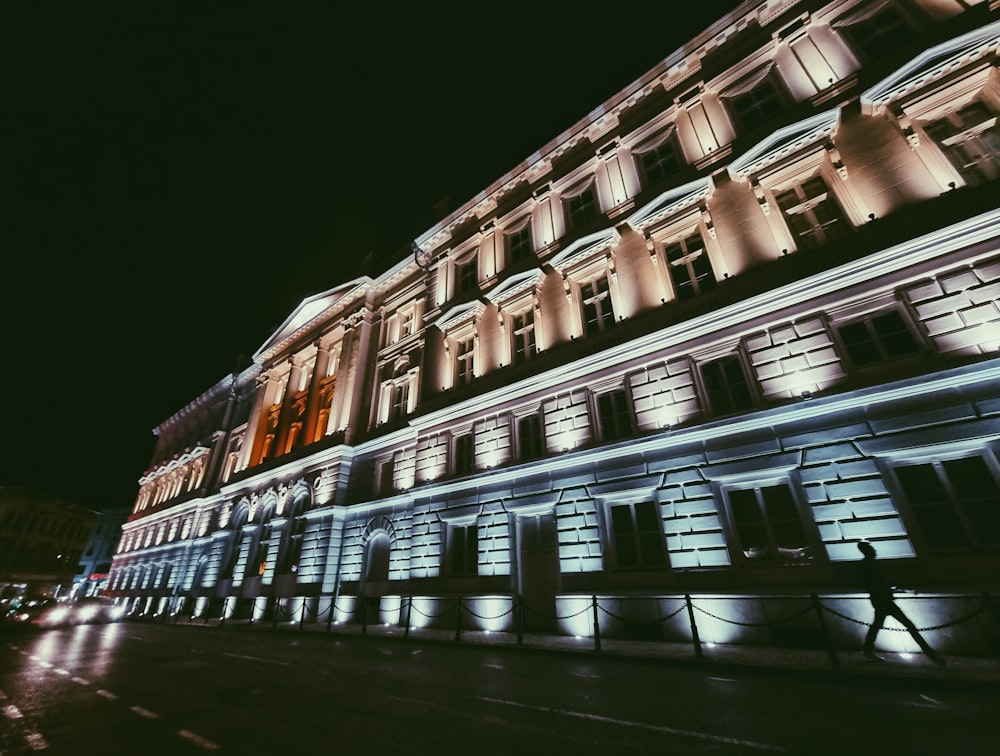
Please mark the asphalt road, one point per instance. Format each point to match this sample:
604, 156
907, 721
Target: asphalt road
162, 689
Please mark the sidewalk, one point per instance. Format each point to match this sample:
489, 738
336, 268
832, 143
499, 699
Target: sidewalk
845, 664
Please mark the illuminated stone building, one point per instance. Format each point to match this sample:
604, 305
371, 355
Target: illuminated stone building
741, 317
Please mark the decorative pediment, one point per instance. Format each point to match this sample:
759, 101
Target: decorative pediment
785, 142
933, 64
460, 314
312, 310
584, 248
670, 203
515, 286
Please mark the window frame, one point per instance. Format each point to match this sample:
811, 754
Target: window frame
463, 562
876, 338
711, 403
537, 437
773, 554
610, 427
518, 244
646, 557
604, 320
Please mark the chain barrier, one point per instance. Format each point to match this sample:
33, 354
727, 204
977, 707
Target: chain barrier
952, 623
664, 618
445, 613
479, 616
543, 615
754, 624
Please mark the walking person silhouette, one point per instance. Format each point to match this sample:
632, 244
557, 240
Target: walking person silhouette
883, 600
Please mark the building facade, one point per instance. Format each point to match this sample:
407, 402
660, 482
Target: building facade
739, 319
42, 539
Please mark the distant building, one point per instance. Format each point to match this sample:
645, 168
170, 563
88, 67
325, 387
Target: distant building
95, 564
738, 319
41, 541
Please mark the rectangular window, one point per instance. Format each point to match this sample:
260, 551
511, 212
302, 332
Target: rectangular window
726, 386
659, 163
467, 275
518, 244
614, 415
598, 313
690, 268
878, 34
767, 523
464, 459
397, 407
465, 362
878, 338
956, 502
582, 208
529, 437
811, 213
637, 532
756, 107
970, 139
465, 550
523, 327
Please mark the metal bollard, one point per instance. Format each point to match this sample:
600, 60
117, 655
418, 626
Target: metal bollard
694, 627
597, 624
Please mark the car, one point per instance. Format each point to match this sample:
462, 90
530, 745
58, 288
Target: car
46, 613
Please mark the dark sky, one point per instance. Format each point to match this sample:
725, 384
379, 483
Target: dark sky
178, 177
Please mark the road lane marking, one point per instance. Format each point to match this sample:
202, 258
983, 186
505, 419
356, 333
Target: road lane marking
36, 741
144, 712
63, 672
80, 681
46, 664
640, 725
107, 694
258, 659
13, 712
198, 740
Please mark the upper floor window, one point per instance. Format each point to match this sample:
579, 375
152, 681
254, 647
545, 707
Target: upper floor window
523, 327
598, 311
518, 243
465, 550
465, 362
467, 275
726, 385
755, 104
877, 338
581, 206
530, 440
637, 533
614, 415
877, 31
970, 138
954, 502
767, 522
407, 323
812, 213
400, 395
464, 454
690, 269
659, 163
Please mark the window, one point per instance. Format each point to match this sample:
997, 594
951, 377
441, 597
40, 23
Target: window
659, 163
465, 362
397, 406
384, 483
955, 502
598, 313
726, 386
407, 322
464, 455
637, 532
293, 553
877, 338
690, 269
812, 214
258, 564
767, 523
757, 106
614, 415
465, 550
523, 327
529, 437
879, 33
518, 244
467, 275
970, 139
581, 208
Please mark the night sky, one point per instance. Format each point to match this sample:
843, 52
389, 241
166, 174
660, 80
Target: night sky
178, 177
